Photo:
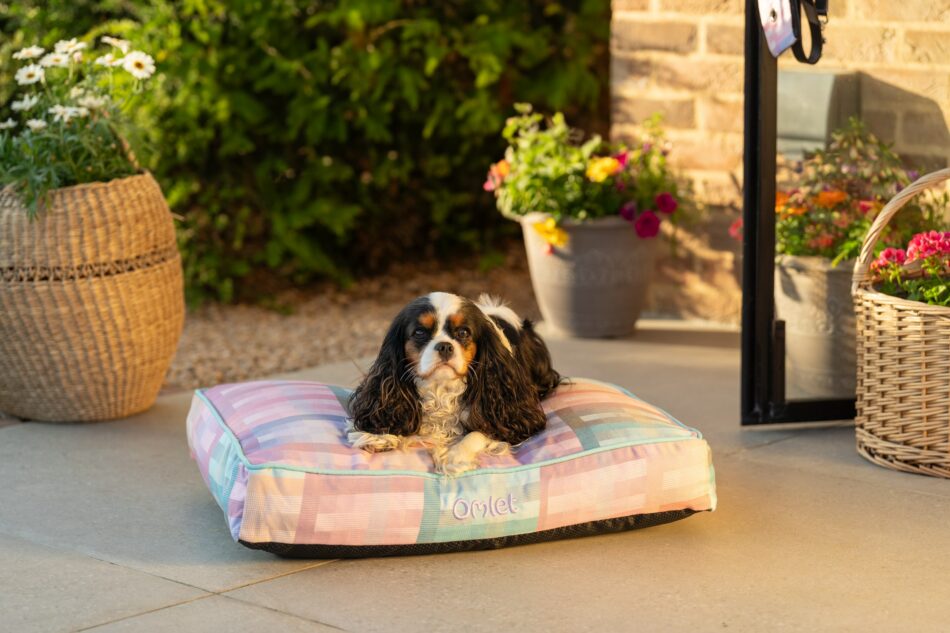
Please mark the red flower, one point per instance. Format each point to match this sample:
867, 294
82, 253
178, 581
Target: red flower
647, 224
666, 203
629, 211
622, 158
735, 229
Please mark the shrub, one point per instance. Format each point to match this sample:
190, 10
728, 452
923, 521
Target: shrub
309, 137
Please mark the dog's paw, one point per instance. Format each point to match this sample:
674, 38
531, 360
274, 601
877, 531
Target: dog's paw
372, 442
456, 461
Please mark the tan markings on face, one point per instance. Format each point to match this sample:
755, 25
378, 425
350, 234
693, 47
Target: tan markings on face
468, 353
456, 319
427, 320
412, 353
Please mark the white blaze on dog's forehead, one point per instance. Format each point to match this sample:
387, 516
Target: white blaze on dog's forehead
445, 304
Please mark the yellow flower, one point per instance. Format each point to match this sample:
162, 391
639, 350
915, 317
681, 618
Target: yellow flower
550, 233
600, 168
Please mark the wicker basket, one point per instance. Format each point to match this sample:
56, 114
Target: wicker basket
903, 355
91, 301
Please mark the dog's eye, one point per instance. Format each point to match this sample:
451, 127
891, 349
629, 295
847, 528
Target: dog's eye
420, 332
463, 332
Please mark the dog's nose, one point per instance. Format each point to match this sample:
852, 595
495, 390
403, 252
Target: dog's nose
444, 349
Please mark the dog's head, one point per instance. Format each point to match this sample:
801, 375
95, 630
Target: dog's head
443, 337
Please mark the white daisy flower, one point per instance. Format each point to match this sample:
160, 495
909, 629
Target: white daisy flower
122, 45
60, 60
106, 60
138, 64
77, 57
25, 104
36, 124
92, 101
67, 113
30, 74
76, 92
67, 47
30, 52
8, 124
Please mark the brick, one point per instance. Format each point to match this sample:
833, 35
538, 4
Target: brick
907, 10
905, 88
707, 151
676, 113
725, 39
928, 47
703, 7
882, 124
925, 128
721, 76
924, 163
861, 44
635, 35
722, 115
630, 5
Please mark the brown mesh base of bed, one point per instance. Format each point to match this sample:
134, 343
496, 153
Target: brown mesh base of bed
606, 526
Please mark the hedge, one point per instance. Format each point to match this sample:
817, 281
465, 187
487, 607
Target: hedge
303, 139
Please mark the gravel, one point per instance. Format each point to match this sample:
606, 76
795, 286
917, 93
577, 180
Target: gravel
313, 326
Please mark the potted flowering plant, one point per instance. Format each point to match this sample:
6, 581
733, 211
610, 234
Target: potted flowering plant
90, 275
589, 214
820, 226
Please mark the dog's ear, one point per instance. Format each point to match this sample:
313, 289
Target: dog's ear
534, 354
502, 399
387, 401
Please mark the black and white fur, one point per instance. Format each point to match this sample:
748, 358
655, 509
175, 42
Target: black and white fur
457, 377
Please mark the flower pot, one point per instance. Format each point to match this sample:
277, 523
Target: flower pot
596, 285
92, 301
814, 300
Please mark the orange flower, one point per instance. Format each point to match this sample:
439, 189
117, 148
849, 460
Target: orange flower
781, 199
794, 211
503, 168
829, 199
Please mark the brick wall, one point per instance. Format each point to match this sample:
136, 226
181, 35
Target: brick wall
683, 58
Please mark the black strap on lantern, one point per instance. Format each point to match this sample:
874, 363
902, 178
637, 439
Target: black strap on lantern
816, 12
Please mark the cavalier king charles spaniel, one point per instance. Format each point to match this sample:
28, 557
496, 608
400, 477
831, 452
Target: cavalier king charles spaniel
456, 377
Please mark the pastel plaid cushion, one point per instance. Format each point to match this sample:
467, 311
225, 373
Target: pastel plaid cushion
275, 457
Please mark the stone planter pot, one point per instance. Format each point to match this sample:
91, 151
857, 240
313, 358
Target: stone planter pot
814, 300
596, 285
92, 301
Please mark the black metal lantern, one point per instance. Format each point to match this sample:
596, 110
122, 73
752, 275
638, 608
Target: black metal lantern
771, 27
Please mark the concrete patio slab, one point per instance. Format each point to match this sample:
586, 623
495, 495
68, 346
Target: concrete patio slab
46, 589
808, 535
215, 613
787, 550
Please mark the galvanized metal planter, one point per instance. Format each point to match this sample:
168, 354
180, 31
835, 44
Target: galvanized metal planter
596, 285
814, 299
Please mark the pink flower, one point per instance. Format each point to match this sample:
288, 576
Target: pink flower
629, 211
666, 203
647, 224
924, 245
866, 205
889, 256
622, 158
735, 229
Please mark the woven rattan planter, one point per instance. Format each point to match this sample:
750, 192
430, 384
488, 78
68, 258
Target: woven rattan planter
903, 356
91, 301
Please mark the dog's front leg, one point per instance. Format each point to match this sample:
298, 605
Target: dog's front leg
463, 455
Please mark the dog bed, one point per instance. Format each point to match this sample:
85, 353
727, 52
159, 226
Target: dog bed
275, 457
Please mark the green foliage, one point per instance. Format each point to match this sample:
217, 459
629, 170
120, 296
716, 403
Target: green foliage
66, 126
839, 192
304, 138
554, 170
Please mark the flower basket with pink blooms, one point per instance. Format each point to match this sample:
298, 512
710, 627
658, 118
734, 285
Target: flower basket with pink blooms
902, 302
589, 212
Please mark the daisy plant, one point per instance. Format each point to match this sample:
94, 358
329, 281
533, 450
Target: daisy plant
65, 125
551, 169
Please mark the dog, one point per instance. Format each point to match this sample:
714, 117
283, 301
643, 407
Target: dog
457, 377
